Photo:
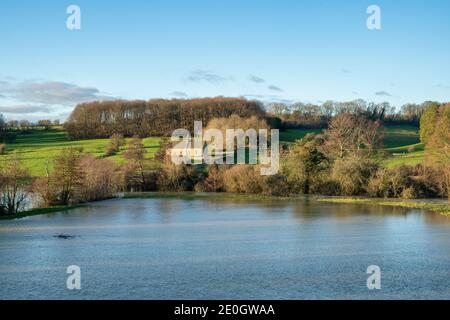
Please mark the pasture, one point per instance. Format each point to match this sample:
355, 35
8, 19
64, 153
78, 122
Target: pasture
37, 148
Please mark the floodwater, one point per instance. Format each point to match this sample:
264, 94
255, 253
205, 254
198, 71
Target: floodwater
170, 248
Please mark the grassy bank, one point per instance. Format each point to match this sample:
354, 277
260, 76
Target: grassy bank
442, 208
40, 211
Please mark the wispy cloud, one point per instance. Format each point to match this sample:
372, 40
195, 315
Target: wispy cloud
256, 79
207, 76
383, 93
267, 98
442, 86
50, 92
275, 88
179, 94
21, 109
346, 71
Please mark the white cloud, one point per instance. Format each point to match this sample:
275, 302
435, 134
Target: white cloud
383, 93
256, 79
24, 109
206, 75
179, 94
49, 92
275, 88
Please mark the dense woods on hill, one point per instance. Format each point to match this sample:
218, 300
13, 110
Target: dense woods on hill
152, 118
161, 117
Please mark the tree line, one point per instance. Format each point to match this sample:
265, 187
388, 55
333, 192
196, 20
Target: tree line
11, 128
152, 118
21, 125
307, 115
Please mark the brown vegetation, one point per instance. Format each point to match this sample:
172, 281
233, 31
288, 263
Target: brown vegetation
14, 181
437, 150
152, 118
78, 178
115, 142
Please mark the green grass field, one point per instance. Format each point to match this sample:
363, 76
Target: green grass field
291, 135
403, 145
39, 146
400, 136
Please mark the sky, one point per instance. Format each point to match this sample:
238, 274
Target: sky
271, 50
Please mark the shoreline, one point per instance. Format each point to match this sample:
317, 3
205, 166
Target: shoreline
441, 208
421, 204
40, 211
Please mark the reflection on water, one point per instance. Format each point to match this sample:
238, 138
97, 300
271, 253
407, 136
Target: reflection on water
166, 248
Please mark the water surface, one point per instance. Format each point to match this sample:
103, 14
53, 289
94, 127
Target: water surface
160, 248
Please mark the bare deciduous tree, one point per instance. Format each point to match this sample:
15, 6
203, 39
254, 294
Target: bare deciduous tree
14, 180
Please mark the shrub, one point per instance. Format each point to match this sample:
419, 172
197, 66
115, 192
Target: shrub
242, 179
403, 182
275, 185
303, 164
324, 185
379, 184
102, 178
408, 193
137, 164
433, 182
14, 181
352, 175
78, 178
212, 181
114, 144
390, 183
178, 177
61, 186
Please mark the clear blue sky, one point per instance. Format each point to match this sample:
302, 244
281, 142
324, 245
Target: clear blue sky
306, 50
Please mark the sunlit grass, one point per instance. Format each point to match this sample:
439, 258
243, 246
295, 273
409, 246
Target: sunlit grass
403, 145
442, 208
400, 136
291, 135
38, 148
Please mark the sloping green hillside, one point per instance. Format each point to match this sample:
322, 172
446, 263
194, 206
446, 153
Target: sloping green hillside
39, 146
403, 145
